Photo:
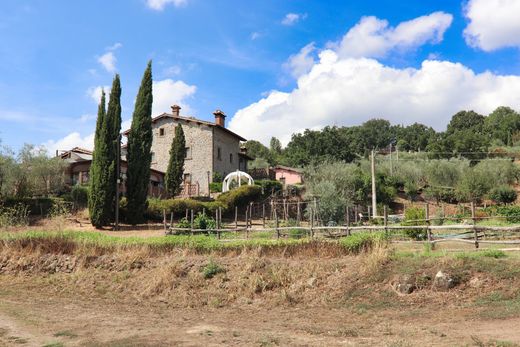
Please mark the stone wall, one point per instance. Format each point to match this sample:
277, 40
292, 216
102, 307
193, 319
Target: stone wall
198, 139
228, 144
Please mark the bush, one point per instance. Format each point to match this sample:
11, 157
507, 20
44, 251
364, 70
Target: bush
17, 215
512, 213
239, 197
179, 206
362, 242
503, 194
36, 206
79, 196
269, 187
215, 187
413, 217
203, 221
211, 269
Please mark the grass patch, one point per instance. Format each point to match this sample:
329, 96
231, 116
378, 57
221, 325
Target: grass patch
487, 253
65, 333
499, 305
362, 242
212, 269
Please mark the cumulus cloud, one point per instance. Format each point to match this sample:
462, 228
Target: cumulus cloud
159, 5
349, 91
68, 142
373, 37
108, 61
293, 18
168, 92
301, 62
493, 24
95, 93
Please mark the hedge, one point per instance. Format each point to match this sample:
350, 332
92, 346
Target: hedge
36, 206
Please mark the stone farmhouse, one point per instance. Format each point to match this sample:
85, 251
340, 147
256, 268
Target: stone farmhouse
211, 148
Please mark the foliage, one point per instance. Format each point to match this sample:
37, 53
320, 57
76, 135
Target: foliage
103, 169
184, 223
18, 215
474, 185
502, 124
175, 170
240, 196
79, 196
215, 187
511, 212
362, 242
211, 269
204, 221
217, 177
139, 156
269, 187
414, 216
503, 194
179, 206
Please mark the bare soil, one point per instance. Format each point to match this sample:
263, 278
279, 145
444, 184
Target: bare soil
135, 297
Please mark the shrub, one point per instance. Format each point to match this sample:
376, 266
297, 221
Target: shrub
413, 217
79, 196
215, 187
203, 221
512, 213
184, 223
211, 270
362, 242
179, 206
36, 206
240, 196
503, 194
269, 187
17, 215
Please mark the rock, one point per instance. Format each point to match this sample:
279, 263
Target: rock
444, 281
476, 282
311, 282
404, 284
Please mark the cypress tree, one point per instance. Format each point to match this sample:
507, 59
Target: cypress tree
139, 156
99, 171
113, 124
176, 164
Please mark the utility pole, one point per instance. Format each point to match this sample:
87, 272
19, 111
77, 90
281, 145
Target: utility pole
118, 178
374, 199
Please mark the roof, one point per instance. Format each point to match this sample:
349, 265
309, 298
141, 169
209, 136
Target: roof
287, 168
194, 120
77, 154
246, 156
124, 162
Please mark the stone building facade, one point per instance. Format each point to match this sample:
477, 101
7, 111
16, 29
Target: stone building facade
210, 146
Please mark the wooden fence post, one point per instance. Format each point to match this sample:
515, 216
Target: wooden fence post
348, 221
356, 214
219, 225
171, 220
428, 230
187, 214
236, 219
263, 215
298, 213
312, 222
385, 218
247, 223
164, 219
192, 221
276, 225
474, 222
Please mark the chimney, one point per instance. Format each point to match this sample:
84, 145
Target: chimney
220, 118
176, 110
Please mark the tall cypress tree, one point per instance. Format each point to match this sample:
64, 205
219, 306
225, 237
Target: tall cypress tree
176, 164
99, 171
139, 156
113, 124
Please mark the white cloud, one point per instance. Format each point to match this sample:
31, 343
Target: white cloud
373, 37
255, 35
108, 61
115, 46
349, 91
493, 24
84, 118
168, 92
172, 70
70, 141
159, 5
302, 62
293, 18
95, 93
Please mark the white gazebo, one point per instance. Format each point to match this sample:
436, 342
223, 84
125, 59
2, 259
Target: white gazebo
236, 176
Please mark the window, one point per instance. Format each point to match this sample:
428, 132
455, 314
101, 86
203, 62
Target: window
153, 157
219, 153
188, 153
161, 132
231, 158
187, 178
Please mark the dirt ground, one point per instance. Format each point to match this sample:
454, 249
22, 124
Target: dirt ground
139, 299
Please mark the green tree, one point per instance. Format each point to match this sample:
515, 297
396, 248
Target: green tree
99, 209
176, 164
113, 125
139, 156
502, 124
465, 120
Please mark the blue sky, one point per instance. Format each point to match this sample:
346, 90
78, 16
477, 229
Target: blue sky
363, 59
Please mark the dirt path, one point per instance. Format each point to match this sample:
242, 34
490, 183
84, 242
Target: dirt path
32, 318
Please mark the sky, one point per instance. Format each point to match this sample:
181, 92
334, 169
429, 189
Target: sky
274, 67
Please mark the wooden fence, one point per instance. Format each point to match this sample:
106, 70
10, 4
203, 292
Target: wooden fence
467, 233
